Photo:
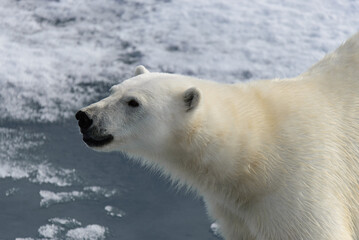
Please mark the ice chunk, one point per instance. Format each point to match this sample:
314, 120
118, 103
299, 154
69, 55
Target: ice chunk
46, 173
65, 222
114, 212
93, 232
100, 191
49, 198
50, 231
68, 228
215, 229
13, 170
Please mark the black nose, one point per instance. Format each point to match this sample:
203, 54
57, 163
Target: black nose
84, 121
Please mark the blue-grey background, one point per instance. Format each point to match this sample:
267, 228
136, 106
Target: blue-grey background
59, 55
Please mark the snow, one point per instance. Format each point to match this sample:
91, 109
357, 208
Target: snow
49, 49
56, 56
223, 40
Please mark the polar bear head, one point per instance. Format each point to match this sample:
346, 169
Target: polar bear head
143, 116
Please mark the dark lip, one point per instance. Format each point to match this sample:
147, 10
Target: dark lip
98, 142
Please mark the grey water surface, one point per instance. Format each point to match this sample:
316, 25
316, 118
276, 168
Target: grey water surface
150, 208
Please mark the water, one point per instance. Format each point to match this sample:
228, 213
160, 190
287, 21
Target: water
57, 56
93, 192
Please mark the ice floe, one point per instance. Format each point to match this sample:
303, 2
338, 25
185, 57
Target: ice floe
49, 198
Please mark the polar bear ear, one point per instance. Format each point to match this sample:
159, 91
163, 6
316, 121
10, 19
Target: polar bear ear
140, 70
191, 98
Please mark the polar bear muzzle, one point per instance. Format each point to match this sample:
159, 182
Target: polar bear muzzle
91, 134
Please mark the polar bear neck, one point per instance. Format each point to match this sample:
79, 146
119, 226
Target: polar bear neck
235, 149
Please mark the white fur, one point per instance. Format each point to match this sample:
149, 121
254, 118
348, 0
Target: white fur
273, 159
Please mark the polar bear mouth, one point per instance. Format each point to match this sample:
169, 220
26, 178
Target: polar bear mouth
98, 141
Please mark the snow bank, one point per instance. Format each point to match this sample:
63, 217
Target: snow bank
57, 56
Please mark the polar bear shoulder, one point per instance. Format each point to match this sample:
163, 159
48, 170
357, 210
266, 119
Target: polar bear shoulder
340, 66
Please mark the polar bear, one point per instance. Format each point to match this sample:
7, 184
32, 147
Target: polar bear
272, 159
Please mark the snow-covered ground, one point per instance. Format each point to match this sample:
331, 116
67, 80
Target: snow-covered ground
58, 55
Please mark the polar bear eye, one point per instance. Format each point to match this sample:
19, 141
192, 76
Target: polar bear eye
133, 103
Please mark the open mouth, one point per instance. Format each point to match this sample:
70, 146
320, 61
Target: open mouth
98, 142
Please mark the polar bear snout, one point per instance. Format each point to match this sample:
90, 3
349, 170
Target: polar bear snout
83, 120
92, 135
